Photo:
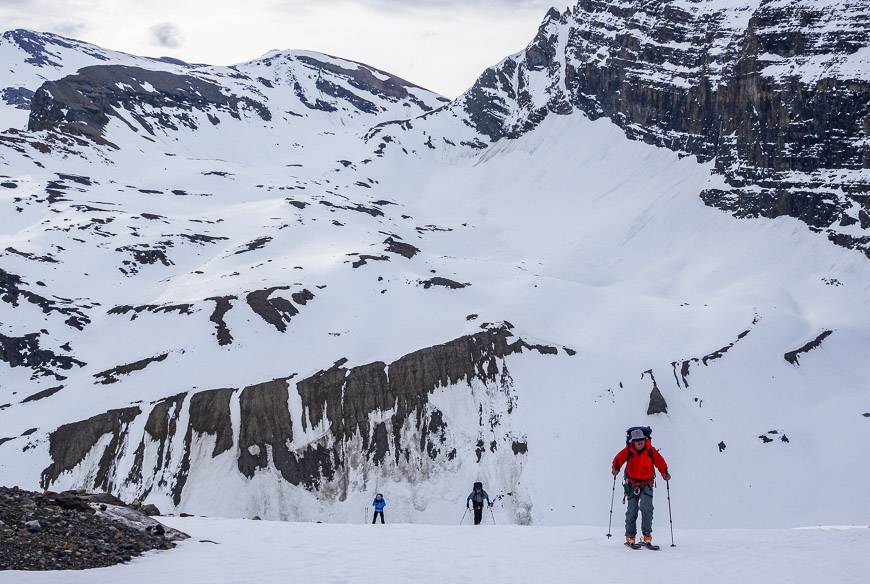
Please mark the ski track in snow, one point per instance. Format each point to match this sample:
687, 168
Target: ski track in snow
268, 552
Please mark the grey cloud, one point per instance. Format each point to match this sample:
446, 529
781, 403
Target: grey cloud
166, 35
69, 29
441, 4
461, 3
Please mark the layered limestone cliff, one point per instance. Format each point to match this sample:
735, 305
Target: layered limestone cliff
775, 92
326, 433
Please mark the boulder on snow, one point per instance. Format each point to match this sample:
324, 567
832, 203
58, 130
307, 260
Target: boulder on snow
69, 501
137, 520
150, 510
657, 403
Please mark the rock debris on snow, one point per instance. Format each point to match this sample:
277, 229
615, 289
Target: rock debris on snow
71, 531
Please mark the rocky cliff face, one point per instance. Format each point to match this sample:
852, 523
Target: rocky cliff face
343, 425
83, 103
31, 58
776, 93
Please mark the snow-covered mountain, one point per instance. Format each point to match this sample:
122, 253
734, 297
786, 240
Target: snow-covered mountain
276, 288
776, 93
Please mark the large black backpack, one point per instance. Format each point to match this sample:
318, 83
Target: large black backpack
647, 432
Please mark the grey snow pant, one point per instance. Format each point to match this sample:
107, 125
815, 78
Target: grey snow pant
644, 502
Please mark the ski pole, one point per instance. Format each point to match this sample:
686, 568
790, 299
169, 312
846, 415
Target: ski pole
670, 515
463, 516
493, 514
612, 495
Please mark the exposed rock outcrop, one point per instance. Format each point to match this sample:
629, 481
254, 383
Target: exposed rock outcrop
444, 283
111, 375
351, 417
657, 403
682, 368
69, 444
275, 310
26, 351
401, 248
42, 394
792, 356
221, 307
370, 80
13, 289
82, 104
209, 413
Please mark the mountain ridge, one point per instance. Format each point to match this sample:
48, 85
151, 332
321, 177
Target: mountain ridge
751, 99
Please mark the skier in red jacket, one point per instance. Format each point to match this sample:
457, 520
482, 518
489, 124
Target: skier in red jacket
643, 460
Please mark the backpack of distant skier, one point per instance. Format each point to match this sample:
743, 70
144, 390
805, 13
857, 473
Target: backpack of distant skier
477, 493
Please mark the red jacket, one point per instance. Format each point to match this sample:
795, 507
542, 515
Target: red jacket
641, 464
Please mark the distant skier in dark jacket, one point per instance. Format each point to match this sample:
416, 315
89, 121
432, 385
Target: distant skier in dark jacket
640, 473
379, 503
476, 499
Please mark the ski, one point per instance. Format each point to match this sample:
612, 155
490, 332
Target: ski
634, 546
649, 546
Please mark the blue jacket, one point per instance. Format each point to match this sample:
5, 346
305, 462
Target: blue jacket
379, 505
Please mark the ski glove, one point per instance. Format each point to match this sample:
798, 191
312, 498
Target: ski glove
667, 476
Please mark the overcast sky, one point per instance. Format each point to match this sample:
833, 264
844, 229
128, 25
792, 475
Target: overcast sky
440, 44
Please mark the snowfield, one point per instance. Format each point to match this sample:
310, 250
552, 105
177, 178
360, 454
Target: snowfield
233, 551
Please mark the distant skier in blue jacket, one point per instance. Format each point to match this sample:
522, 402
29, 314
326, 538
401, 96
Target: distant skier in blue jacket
379, 503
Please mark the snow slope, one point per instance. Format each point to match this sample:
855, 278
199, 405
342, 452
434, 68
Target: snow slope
236, 551
649, 278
